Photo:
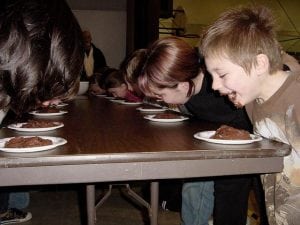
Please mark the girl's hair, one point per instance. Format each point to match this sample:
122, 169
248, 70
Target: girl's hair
104, 76
241, 34
41, 53
169, 61
132, 65
114, 79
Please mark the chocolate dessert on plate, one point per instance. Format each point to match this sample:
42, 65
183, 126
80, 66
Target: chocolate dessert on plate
167, 116
230, 133
48, 110
27, 142
40, 124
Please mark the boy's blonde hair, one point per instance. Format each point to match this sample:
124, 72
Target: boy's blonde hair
241, 34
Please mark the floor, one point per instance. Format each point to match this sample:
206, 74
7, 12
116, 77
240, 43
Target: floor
58, 205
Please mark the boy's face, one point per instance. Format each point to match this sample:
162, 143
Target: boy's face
232, 80
176, 95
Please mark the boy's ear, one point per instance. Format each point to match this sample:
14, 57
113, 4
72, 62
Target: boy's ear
262, 64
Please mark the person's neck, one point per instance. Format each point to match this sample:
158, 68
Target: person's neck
271, 84
198, 81
87, 51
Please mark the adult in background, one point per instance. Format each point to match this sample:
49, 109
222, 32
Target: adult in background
94, 59
41, 57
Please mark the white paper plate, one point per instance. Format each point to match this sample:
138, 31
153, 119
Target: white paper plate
37, 113
62, 104
131, 103
151, 109
18, 127
151, 118
109, 97
117, 100
205, 136
57, 141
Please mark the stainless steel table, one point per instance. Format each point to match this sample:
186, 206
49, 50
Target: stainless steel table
110, 142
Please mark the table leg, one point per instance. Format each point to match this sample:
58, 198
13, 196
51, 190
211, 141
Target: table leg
154, 203
90, 203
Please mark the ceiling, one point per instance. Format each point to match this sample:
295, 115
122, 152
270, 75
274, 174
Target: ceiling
97, 4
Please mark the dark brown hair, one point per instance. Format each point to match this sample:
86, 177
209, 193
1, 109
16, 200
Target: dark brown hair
114, 79
102, 75
41, 52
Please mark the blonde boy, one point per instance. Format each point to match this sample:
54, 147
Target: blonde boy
244, 58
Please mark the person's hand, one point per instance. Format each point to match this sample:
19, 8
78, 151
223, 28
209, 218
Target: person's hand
51, 102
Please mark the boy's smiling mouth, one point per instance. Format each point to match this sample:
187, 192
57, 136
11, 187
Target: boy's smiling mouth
232, 98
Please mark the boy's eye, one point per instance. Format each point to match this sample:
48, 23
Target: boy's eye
223, 75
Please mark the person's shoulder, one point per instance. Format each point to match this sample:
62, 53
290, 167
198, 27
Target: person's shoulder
293, 78
290, 62
96, 48
297, 76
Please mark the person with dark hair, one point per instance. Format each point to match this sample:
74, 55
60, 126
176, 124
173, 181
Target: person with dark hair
115, 85
41, 57
97, 82
94, 59
173, 71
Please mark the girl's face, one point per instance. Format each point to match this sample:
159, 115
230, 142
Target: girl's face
175, 95
119, 91
130, 87
232, 80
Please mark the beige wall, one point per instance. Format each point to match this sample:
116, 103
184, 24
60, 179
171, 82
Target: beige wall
108, 29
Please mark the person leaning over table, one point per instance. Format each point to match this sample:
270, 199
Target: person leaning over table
117, 87
97, 86
172, 71
130, 68
244, 58
41, 56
